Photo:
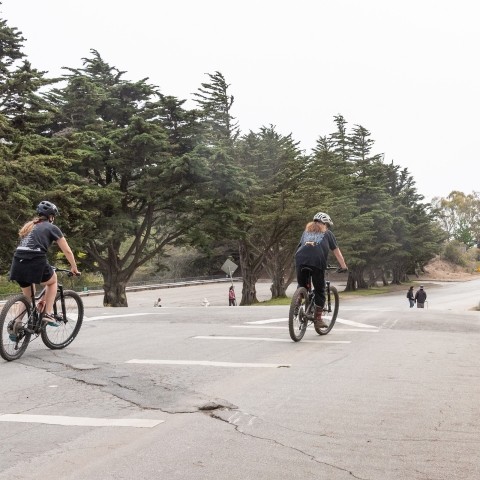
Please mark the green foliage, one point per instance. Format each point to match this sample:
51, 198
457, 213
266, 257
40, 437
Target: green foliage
459, 216
136, 173
455, 252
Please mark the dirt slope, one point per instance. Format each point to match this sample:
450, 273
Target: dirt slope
443, 270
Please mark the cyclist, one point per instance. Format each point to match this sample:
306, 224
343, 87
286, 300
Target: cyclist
30, 264
312, 252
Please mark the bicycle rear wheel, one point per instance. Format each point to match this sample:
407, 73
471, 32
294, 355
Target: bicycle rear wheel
297, 320
330, 312
13, 320
70, 321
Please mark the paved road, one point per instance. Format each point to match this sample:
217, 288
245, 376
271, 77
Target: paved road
222, 392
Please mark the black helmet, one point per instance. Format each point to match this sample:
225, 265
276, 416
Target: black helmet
47, 208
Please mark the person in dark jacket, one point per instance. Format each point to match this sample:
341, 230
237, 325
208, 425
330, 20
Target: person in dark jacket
312, 252
420, 297
411, 297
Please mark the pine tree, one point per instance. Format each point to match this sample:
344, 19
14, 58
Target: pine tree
28, 170
275, 210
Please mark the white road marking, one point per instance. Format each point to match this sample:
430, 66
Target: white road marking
339, 320
80, 421
103, 317
335, 329
272, 320
208, 363
258, 339
354, 324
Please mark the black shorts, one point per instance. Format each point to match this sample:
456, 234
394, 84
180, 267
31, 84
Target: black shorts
26, 271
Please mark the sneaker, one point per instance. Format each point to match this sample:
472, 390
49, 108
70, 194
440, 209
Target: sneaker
12, 330
50, 320
319, 323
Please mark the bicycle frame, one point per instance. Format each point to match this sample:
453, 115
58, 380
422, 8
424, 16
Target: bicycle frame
310, 311
303, 309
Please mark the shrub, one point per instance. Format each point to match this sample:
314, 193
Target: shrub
455, 252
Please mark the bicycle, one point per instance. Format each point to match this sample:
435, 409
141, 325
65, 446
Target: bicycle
21, 318
302, 308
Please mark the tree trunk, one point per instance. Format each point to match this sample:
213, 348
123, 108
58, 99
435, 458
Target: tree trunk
397, 275
278, 287
372, 278
249, 291
351, 283
361, 283
355, 279
279, 265
114, 286
251, 266
115, 294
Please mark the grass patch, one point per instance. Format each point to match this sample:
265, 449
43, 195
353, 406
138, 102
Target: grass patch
356, 293
275, 302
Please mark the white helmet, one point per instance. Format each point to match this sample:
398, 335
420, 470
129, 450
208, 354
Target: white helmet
323, 217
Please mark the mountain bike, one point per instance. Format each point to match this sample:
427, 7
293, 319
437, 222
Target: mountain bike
302, 308
21, 319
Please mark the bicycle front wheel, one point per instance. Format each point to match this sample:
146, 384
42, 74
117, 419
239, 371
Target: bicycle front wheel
69, 320
297, 320
330, 312
13, 322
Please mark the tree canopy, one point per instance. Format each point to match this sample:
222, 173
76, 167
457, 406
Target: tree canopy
135, 171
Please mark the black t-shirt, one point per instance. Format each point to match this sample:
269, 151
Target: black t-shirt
37, 242
315, 255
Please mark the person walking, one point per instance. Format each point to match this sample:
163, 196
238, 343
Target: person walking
30, 265
312, 252
420, 297
411, 297
231, 297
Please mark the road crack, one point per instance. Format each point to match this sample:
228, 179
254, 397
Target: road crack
238, 428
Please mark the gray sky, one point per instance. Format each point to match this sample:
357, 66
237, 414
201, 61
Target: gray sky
408, 70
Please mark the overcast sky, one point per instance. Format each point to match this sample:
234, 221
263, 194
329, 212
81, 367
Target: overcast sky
407, 70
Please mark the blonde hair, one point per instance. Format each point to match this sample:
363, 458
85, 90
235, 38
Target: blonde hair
28, 227
314, 227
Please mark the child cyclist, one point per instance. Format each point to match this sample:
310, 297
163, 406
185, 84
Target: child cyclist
30, 264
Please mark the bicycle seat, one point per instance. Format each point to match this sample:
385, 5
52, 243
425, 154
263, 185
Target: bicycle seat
306, 269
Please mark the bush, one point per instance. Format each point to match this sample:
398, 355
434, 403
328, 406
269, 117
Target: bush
456, 253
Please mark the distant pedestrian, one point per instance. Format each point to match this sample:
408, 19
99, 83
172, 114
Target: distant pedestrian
232, 301
205, 302
411, 297
420, 297
158, 303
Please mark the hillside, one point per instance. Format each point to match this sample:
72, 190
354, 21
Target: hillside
444, 270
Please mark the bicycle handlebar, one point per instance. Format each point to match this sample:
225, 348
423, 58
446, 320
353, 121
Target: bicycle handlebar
68, 272
338, 269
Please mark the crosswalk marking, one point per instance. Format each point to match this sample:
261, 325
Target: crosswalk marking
210, 363
80, 421
351, 323
334, 330
339, 320
260, 339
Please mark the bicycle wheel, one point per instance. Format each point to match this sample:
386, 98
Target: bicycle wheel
13, 320
297, 320
329, 314
70, 321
